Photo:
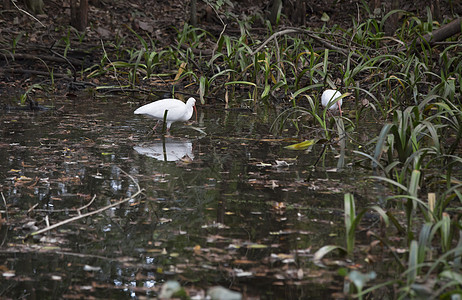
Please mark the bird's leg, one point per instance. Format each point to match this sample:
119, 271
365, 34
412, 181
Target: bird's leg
339, 108
154, 128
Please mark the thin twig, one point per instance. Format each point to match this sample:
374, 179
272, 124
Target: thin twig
111, 64
33, 207
324, 42
216, 45
221, 33
6, 213
74, 71
65, 209
23, 11
92, 212
273, 36
87, 205
6, 207
188, 58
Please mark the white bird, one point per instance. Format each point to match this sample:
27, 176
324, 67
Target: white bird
330, 96
177, 110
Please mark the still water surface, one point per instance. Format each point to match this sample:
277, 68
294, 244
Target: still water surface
216, 208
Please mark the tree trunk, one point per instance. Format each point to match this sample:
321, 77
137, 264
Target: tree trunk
35, 6
294, 9
392, 23
79, 14
193, 17
436, 10
275, 9
298, 13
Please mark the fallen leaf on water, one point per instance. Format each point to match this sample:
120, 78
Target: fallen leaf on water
91, 268
303, 145
186, 159
279, 205
243, 262
8, 274
241, 273
146, 26
262, 164
283, 256
257, 246
282, 164
165, 220
24, 178
154, 251
215, 225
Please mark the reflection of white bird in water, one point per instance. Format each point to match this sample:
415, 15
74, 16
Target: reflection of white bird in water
170, 150
177, 110
329, 96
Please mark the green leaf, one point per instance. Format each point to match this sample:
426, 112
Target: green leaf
382, 214
412, 264
380, 144
202, 88
241, 82
452, 275
325, 17
414, 184
257, 246
360, 279
266, 91
350, 221
325, 250
397, 184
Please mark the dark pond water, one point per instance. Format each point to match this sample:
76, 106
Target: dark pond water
215, 208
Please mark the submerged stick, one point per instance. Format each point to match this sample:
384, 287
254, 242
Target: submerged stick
92, 212
63, 210
164, 124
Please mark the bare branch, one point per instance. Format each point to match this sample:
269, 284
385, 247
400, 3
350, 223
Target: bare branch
314, 36
92, 212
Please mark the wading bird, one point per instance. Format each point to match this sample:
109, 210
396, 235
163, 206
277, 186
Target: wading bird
177, 110
329, 97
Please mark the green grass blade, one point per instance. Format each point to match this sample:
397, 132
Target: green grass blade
412, 263
380, 144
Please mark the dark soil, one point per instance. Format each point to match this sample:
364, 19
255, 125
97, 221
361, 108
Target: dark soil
33, 48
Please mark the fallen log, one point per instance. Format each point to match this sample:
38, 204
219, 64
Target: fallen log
441, 33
